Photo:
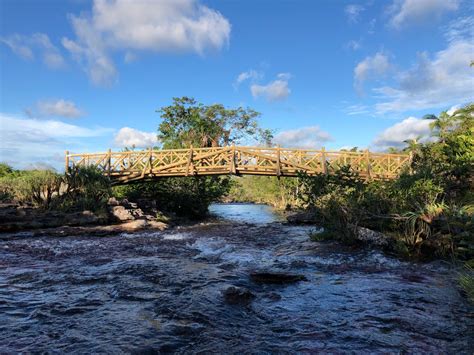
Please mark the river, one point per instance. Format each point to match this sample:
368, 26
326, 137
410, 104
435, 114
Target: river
162, 292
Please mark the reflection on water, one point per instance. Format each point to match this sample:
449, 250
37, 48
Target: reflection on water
247, 213
163, 291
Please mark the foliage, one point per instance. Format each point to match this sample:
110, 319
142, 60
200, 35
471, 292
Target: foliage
37, 187
82, 188
466, 280
188, 197
5, 170
86, 188
281, 193
430, 209
189, 123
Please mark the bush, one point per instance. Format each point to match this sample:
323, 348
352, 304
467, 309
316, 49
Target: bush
280, 193
185, 196
36, 187
86, 188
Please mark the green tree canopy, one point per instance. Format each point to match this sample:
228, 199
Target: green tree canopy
189, 123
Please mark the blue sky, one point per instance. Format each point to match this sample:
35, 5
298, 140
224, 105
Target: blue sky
89, 75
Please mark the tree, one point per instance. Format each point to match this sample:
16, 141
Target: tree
189, 123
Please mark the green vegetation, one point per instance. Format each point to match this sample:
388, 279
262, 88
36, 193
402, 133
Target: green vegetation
77, 190
466, 280
188, 123
186, 197
428, 210
281, 193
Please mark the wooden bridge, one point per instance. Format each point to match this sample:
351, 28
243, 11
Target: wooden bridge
123, 167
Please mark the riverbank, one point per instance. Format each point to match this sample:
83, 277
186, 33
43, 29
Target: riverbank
119, 216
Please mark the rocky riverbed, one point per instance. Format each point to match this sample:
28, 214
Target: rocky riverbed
120, 216
243, 282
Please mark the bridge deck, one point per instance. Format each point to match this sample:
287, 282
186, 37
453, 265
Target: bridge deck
127, 166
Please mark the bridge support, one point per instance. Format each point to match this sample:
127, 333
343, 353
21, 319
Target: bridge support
190, 160
278, 163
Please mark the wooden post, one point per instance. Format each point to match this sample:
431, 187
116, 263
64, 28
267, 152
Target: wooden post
278, 167
67, 162
323, 161
109, 161
233, 169
367, 161
190, 159
150, 160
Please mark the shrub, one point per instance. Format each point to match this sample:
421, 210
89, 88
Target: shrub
185, 196
36, 187
86, 188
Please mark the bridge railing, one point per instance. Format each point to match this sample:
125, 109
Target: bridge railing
131, 165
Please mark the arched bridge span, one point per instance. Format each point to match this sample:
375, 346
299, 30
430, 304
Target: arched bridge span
123, 167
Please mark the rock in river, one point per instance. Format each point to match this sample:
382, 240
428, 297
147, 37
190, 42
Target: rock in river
275, 277
238, 295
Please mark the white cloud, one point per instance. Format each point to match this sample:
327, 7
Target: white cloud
353, 44
130, 137
159, 26
17, 45
59, 108
305, 137
25, 46
460, 29
248, 75
405, 12
275, 90
433, 82
357, 109
26, 141
409, 128
353, 12
372, 67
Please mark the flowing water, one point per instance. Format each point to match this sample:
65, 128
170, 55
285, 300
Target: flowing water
163, 292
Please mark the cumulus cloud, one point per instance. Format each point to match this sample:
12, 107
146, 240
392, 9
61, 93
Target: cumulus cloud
25, 141
353, 12
58, 108
130, 137
159, 26
372, 67
305, 137
26, 46
433, 82
405, 12
409, 128
275, 90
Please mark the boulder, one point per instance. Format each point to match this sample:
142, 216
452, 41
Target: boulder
113, 202
302, 217
133, 225
121, 213
369, 236
238, 295
78, 219
157, 225
276, 278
